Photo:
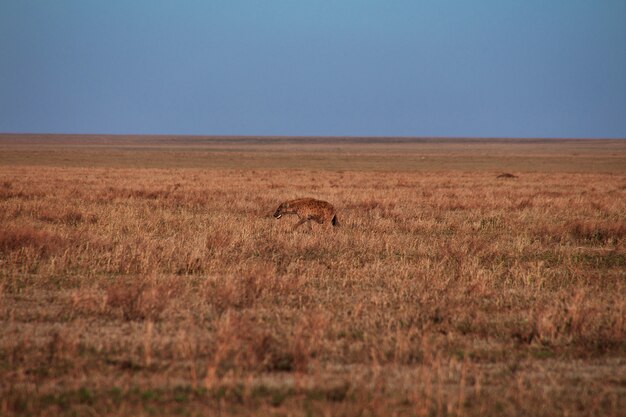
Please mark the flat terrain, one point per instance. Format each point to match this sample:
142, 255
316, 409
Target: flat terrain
147, 276
361, 154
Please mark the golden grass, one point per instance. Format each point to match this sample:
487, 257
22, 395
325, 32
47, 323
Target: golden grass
355, 154
151, 291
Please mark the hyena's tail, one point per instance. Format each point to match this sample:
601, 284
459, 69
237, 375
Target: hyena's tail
334, 220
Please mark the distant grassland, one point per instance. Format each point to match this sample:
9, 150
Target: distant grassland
385, 154
147, 276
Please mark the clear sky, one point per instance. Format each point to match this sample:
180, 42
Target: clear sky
531, 68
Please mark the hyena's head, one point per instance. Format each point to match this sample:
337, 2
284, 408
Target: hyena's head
283, 209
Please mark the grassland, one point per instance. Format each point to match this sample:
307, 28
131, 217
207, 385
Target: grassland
355, 154
146, 276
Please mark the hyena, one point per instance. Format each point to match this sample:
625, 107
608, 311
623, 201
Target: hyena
308, 209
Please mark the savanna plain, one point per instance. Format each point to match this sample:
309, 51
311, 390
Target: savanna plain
147, 276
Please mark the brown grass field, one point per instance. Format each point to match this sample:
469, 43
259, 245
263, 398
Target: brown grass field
146, 276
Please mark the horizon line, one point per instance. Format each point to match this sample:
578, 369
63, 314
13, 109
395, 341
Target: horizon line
266, 136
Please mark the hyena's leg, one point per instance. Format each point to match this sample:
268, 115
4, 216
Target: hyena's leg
300, 222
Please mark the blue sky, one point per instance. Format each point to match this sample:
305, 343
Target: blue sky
503, 68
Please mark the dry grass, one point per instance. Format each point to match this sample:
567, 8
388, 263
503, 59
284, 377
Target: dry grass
353, 154
151, 291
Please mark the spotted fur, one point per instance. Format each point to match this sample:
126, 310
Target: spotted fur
308, 209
